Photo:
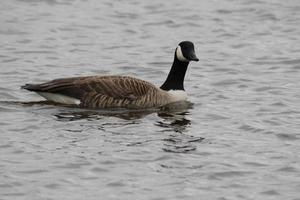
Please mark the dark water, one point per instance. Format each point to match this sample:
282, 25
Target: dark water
239, 140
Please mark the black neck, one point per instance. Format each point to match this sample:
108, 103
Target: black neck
176, 75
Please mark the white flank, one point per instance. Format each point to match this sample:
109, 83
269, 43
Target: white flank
59, 98
178, 95
180, 55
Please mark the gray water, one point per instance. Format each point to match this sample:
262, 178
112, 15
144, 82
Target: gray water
239, 139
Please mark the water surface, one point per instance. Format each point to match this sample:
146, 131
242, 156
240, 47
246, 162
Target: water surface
239, 139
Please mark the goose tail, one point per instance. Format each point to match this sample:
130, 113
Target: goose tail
31, 87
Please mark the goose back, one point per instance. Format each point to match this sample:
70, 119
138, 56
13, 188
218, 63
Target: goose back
104, 91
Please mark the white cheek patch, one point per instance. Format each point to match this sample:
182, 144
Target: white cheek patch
180, 55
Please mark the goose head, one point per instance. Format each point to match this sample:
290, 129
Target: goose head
185, 52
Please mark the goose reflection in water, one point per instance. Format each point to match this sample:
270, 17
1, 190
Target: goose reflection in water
172, 120
175, 112
175, 122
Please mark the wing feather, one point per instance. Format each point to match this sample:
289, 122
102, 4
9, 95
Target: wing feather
98, 91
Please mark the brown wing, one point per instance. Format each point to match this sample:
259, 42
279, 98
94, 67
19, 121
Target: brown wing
96, 87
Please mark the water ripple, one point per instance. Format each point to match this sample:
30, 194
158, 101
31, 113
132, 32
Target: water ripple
238, 137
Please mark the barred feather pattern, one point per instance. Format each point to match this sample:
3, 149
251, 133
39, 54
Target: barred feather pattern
106, 91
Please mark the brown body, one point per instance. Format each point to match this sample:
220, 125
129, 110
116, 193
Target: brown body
105, 92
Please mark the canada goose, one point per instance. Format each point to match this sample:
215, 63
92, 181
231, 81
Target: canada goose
120, 91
